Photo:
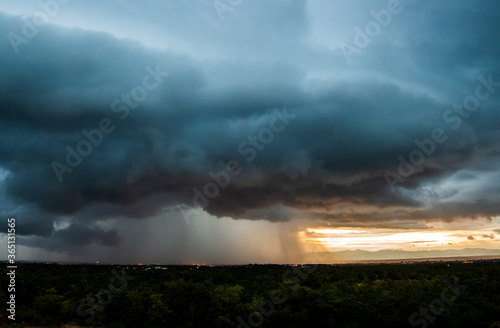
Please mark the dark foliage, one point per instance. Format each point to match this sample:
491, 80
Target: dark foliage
383, 295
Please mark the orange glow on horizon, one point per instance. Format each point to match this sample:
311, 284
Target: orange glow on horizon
374, 239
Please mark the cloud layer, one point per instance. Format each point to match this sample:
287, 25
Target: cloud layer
348, 123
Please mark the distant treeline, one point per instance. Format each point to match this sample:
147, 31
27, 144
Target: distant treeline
447, 294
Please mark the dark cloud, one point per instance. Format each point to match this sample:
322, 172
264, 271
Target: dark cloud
74, 237
471, 238
492, 236
329, 162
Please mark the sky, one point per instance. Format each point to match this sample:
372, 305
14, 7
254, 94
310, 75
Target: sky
237, 131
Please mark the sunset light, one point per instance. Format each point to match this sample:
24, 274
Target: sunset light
410, 240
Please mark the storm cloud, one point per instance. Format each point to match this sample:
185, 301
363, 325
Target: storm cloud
326, 133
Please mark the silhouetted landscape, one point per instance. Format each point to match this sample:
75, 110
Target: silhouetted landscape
339, 295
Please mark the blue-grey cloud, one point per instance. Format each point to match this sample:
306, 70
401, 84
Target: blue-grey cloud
351, 123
